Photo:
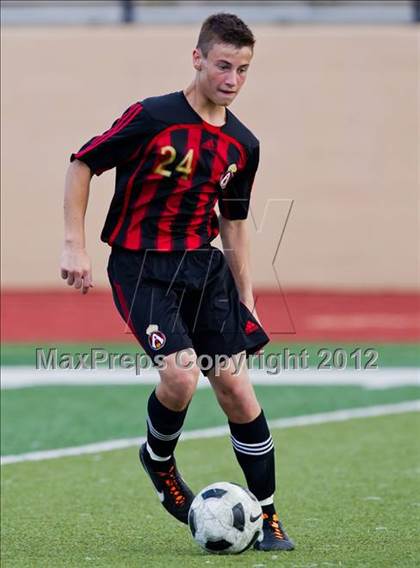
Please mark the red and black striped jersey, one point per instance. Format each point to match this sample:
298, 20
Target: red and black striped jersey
172, 167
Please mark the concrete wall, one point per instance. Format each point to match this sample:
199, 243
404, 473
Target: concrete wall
335, 108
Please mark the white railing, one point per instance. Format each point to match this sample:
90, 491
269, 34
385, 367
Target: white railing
68, 12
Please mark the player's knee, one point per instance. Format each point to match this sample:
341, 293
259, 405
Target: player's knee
185, 380
180, 386
232, 392
238, 401
231, 400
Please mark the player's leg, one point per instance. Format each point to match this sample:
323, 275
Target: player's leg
224, 325
251, 439
168, 404
252, 444
151, 312
167, 408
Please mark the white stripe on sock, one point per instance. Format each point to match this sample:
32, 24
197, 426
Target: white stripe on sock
255, 453
251, 450
246, 445
162, 437
154, 456
268, 501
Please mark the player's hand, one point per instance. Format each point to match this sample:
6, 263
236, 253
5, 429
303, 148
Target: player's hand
76, 268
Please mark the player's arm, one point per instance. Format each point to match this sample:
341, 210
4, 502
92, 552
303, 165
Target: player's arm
75, 262
236, 246
234, 206
98, 155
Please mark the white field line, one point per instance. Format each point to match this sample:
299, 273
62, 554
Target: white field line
218, 431
21, 377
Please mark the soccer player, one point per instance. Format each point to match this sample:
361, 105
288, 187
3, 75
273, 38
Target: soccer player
176, 156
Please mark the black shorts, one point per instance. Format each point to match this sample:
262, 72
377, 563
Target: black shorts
177, 300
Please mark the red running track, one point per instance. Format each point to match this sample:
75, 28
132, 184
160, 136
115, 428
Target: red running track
53, 316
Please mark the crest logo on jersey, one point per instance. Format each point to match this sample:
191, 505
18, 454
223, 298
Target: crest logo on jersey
229, 173
157, 338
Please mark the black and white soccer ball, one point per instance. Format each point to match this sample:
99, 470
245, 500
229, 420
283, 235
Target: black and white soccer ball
225, 518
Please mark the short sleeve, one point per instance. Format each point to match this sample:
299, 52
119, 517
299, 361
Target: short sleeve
116, 145
234, 200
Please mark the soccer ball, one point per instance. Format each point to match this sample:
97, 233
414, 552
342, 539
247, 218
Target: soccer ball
225, 518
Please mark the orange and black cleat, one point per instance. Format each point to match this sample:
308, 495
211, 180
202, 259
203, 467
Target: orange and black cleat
173, 492
274, 536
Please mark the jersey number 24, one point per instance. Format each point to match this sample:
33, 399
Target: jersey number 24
169, 156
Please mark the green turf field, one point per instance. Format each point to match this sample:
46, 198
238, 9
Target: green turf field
42, 418
348, 493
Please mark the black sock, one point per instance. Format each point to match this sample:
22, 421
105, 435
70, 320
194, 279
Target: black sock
254, 450
164, 428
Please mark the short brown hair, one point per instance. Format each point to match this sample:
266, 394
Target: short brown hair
224, 28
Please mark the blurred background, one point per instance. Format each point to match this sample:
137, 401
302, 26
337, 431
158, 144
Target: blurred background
333, 97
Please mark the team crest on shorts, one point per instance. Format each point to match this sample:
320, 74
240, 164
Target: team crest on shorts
229, 173
157, 338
